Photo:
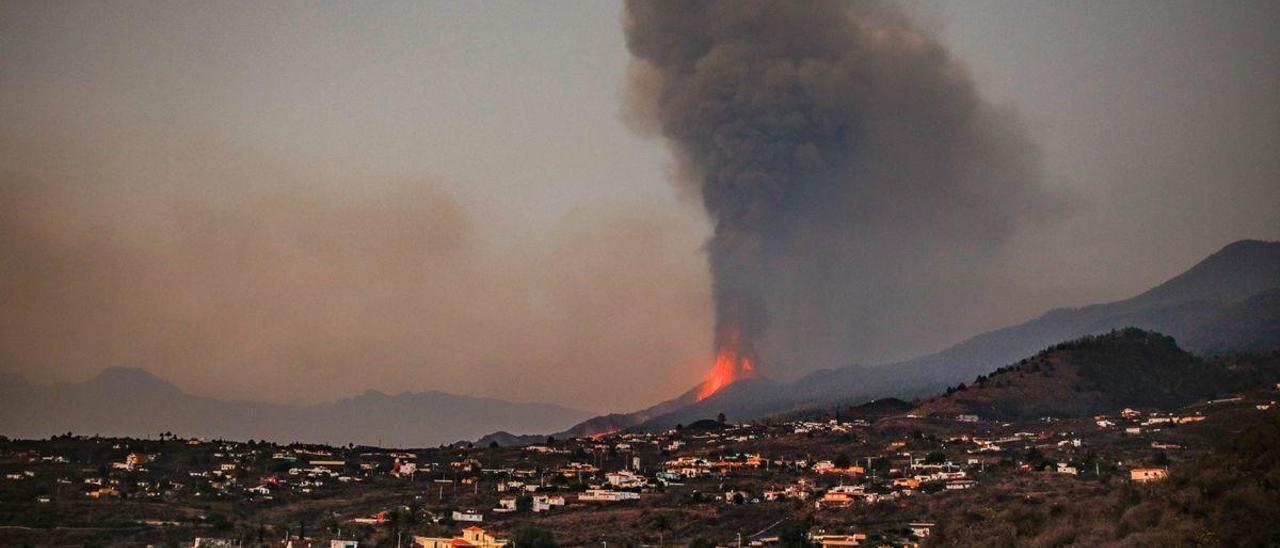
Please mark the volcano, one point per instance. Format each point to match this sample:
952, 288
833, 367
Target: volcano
1224, 303
732, 365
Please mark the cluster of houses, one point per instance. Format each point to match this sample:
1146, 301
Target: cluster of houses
1136, 423
827, 467
825, 483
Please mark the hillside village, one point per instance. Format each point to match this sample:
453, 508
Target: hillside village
639, 274
850, 477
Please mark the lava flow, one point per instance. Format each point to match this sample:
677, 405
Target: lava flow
731, 366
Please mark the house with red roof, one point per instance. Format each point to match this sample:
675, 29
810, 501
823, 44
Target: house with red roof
472, 536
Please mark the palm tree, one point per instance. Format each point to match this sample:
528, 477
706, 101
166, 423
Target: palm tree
661, 523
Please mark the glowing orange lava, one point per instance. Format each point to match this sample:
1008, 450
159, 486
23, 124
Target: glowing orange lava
730, 367
599, 435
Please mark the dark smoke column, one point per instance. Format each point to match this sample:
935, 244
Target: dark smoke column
845, 160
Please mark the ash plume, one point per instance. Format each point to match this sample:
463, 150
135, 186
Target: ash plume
860, 188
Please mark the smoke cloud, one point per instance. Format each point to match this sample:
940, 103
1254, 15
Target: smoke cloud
861, 190
240, 275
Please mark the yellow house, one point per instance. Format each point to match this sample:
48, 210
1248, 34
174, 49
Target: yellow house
839, 541
1144, 475
471, 536
909, 483
103, 493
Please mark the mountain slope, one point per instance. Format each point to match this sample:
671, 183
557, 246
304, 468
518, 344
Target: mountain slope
1225, 302
1090, 375
599, 424
133, 402
1252, 325
1194, 306
1250, 267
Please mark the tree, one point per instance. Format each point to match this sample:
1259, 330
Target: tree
701, 543
534, 537
1035, 458
842, 461
794, 535
330, 524
660, 523
721, 418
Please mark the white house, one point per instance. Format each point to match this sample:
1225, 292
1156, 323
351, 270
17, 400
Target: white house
605, 495
544, 503
625, 479
920, 530
468, 515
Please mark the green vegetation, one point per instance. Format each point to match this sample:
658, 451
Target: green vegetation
1100, 373
534, 537
1226, 498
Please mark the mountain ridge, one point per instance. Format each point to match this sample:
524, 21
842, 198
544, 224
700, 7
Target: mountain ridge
1099, 374
135, 402
1208, 295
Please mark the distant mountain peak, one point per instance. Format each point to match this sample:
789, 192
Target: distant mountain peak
1247, 246
1243, 254
128, 401
1234, 273
132, 378
13, 379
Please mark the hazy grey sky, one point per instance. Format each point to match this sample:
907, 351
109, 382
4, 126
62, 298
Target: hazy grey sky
296, 201
1163, 118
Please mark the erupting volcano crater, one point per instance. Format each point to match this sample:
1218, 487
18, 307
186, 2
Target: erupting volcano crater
731, 365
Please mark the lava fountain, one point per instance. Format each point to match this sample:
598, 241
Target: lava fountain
732, 365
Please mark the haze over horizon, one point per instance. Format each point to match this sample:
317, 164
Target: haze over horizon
296, 202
